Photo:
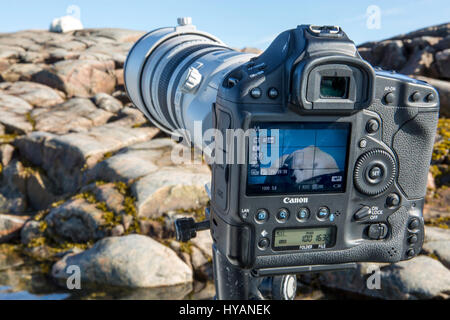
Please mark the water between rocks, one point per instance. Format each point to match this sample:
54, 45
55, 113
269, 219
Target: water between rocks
28, 281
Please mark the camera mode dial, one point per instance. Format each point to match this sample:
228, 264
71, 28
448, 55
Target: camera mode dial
374, 172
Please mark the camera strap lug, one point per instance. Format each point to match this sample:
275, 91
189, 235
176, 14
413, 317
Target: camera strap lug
186, 228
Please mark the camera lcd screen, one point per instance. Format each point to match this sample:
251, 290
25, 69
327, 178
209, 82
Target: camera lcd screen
297, 158
304, 239
334, 87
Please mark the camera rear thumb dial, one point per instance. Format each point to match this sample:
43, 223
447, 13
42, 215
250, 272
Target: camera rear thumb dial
374, 172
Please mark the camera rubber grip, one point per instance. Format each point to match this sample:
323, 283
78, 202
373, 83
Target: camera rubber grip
413, 144
391, 249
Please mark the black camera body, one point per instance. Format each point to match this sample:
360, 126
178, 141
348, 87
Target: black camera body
353, 146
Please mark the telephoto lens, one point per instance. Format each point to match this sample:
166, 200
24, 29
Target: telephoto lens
172, 75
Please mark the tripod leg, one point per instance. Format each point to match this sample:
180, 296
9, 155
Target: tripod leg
233, 283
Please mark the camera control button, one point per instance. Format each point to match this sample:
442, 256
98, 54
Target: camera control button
323, 213
411, 253
261, 216
389, 97
273, 93
430, 97
303, 214
377, 231
282, 215
362, 214
414, 224
256, 93
263, 243
413, 239
416, 96
372, 126
376, 173
393, 200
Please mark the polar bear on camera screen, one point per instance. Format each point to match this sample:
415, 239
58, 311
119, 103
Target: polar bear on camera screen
302, 165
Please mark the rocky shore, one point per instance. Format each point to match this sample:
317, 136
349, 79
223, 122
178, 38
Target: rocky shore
86, 180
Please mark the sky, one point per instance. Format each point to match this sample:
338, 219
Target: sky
238, 23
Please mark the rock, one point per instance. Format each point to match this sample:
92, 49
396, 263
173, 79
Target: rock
133, 162
108, 194
151, 228
202, 266
119, 261
30, 231
40, 191
10, 227
117, 231
64, 157
204, 242
419, 63
161, 185
107, 102
59, 54
436, 234
14, 114
20, 72
13, 188
34, 93
76, 221
10, 52
65, 24
419, 278
6, 154
443, 63
440, 249
115, 35
75, 115
171, 189
437, 243
81, 78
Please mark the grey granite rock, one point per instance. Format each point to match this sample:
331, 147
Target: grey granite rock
64, 157
107, 102
14, 112
75, 115
81, 78
34, 93
76, 221
119, 261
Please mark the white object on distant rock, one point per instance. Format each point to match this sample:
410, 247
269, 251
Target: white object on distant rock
65, 24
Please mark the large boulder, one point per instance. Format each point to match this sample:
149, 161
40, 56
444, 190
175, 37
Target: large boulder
131, 261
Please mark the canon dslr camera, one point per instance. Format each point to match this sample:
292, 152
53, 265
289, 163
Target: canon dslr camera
335, 152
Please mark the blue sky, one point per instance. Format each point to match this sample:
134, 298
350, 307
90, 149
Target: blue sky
237, 23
